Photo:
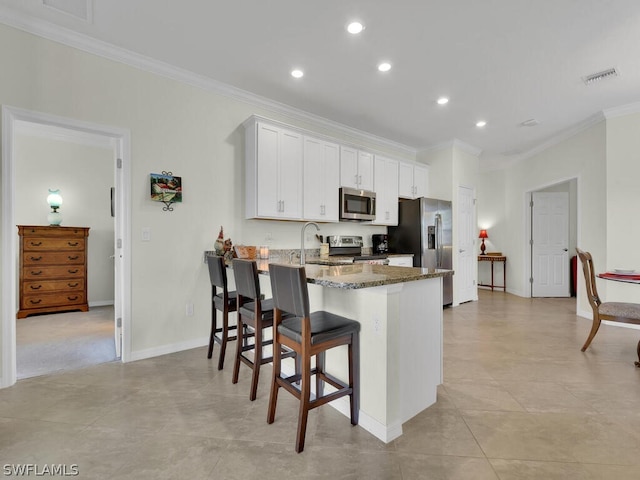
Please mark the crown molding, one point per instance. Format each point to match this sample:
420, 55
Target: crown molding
87, 44
622, 110
561, 137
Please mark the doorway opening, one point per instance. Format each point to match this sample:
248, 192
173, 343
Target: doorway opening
36, 148
552, 238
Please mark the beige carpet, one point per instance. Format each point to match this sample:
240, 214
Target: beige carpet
64, 341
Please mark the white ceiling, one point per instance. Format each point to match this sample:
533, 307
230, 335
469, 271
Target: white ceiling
505, 61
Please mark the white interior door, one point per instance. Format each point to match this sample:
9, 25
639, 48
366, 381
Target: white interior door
464, 277
550, 246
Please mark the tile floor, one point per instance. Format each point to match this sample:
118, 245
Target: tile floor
519, 401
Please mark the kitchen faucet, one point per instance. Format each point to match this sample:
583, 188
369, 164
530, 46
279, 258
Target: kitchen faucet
304, 227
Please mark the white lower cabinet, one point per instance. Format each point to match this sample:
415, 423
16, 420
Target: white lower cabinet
401, 261
321, 180
386, 188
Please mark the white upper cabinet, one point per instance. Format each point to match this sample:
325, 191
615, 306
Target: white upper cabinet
413, 180
273, 172
386, 188
321, 180
356, 168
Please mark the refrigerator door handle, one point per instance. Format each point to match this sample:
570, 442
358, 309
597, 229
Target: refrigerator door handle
438, 240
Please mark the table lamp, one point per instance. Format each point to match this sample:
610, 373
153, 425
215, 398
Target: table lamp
483, 235
54, 199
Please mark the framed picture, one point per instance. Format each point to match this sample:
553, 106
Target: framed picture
166, 188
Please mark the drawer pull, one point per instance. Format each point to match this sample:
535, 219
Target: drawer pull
35, 302
73, 271
72, 285
35, 259
75, 257
36, 273
34, 287
73, 244
34, 244
71, 299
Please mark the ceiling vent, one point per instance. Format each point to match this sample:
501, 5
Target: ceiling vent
596, 77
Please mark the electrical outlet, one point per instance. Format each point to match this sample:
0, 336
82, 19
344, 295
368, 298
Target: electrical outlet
146, 234
189, 309
268, 237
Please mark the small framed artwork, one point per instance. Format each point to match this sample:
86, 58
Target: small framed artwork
166, 188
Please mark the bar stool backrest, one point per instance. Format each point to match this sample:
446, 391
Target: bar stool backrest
246, 276
217, 272
289, 289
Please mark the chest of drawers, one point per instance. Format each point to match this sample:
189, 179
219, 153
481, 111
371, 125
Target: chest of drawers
53, 269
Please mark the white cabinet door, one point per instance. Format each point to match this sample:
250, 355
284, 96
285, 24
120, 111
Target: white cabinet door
348, 167
290, 175
386, 188
274, 172
421, 180
413, 180
356, 168
405, 180
321, 180
365, 170
406, 261
268, 200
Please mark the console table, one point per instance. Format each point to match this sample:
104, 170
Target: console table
493, 259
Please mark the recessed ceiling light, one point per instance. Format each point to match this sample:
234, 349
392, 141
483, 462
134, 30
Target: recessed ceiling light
481, 124
355, 28
297, 73
384, 67
443, 101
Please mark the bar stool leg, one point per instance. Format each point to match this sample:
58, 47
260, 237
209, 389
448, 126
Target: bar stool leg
225, 337
257, 359
354, 378
236, 364
305, 395
212, 337
273, 395
319, 370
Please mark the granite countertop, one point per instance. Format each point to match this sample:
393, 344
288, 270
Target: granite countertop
354, 275
359, 275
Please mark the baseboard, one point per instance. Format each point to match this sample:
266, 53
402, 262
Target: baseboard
167, 349
102, 303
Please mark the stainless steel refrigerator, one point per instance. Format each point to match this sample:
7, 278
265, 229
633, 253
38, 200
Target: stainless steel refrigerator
424, 229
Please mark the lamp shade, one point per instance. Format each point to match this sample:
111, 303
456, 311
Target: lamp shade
54, 199
483, 234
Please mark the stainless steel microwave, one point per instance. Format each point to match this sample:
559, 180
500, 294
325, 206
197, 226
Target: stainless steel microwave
357, 205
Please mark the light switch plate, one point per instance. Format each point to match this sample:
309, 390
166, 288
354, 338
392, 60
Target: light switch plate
146, 234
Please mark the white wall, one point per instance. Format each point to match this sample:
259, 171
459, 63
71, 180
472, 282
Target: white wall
84, 175
175, 127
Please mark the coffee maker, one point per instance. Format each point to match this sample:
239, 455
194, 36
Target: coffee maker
380, 244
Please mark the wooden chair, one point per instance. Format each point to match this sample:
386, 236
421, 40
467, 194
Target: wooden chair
611, 311
255, 314
226, 302
309, 334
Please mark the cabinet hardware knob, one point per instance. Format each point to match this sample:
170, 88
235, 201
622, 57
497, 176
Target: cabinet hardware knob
75, 257
72, 285
34, 244
35, 287
35, 302
73, 271
72, 244
35, 259
71, 299
36, 273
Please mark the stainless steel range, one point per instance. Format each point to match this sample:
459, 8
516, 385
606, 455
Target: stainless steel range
344, 247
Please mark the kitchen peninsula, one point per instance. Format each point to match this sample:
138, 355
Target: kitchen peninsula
400, 311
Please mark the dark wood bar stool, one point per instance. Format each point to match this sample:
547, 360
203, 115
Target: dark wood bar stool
255, 314
309, 334
226, 302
